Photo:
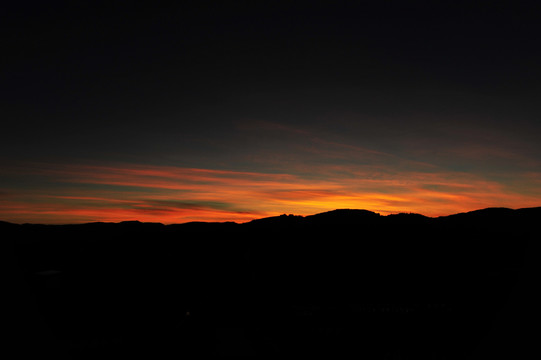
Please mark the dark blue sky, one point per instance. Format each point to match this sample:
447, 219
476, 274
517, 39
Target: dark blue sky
374, 90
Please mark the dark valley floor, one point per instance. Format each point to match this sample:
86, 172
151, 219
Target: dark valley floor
343, 282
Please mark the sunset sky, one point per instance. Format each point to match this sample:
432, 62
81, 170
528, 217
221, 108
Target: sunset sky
230, 111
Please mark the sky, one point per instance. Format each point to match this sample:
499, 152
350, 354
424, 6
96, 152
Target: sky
231, 111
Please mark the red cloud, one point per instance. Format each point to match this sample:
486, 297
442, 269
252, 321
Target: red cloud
80, 193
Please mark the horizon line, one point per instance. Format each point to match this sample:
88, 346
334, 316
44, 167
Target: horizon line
268, 217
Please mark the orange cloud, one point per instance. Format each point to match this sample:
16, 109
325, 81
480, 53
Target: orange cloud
82, 193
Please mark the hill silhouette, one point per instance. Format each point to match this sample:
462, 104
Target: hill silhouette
341, 282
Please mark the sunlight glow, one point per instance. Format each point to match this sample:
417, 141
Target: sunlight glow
81, 193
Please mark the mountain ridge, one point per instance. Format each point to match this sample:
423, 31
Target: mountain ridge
331, 214
309, 284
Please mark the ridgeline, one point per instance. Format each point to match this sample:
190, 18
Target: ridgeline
342, 282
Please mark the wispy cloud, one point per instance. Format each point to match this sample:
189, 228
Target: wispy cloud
168, 194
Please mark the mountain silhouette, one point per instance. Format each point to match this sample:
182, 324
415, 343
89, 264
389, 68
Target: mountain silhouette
341, 282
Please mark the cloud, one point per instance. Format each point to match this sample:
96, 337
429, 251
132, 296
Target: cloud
169, 194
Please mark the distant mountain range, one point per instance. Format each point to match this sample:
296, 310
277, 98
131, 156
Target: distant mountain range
348, 216
340, 282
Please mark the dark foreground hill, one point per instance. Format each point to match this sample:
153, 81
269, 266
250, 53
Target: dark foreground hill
343, 282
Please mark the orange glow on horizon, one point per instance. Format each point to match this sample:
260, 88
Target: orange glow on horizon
81, 193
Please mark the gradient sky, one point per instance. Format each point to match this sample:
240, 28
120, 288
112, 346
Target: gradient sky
221, 111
